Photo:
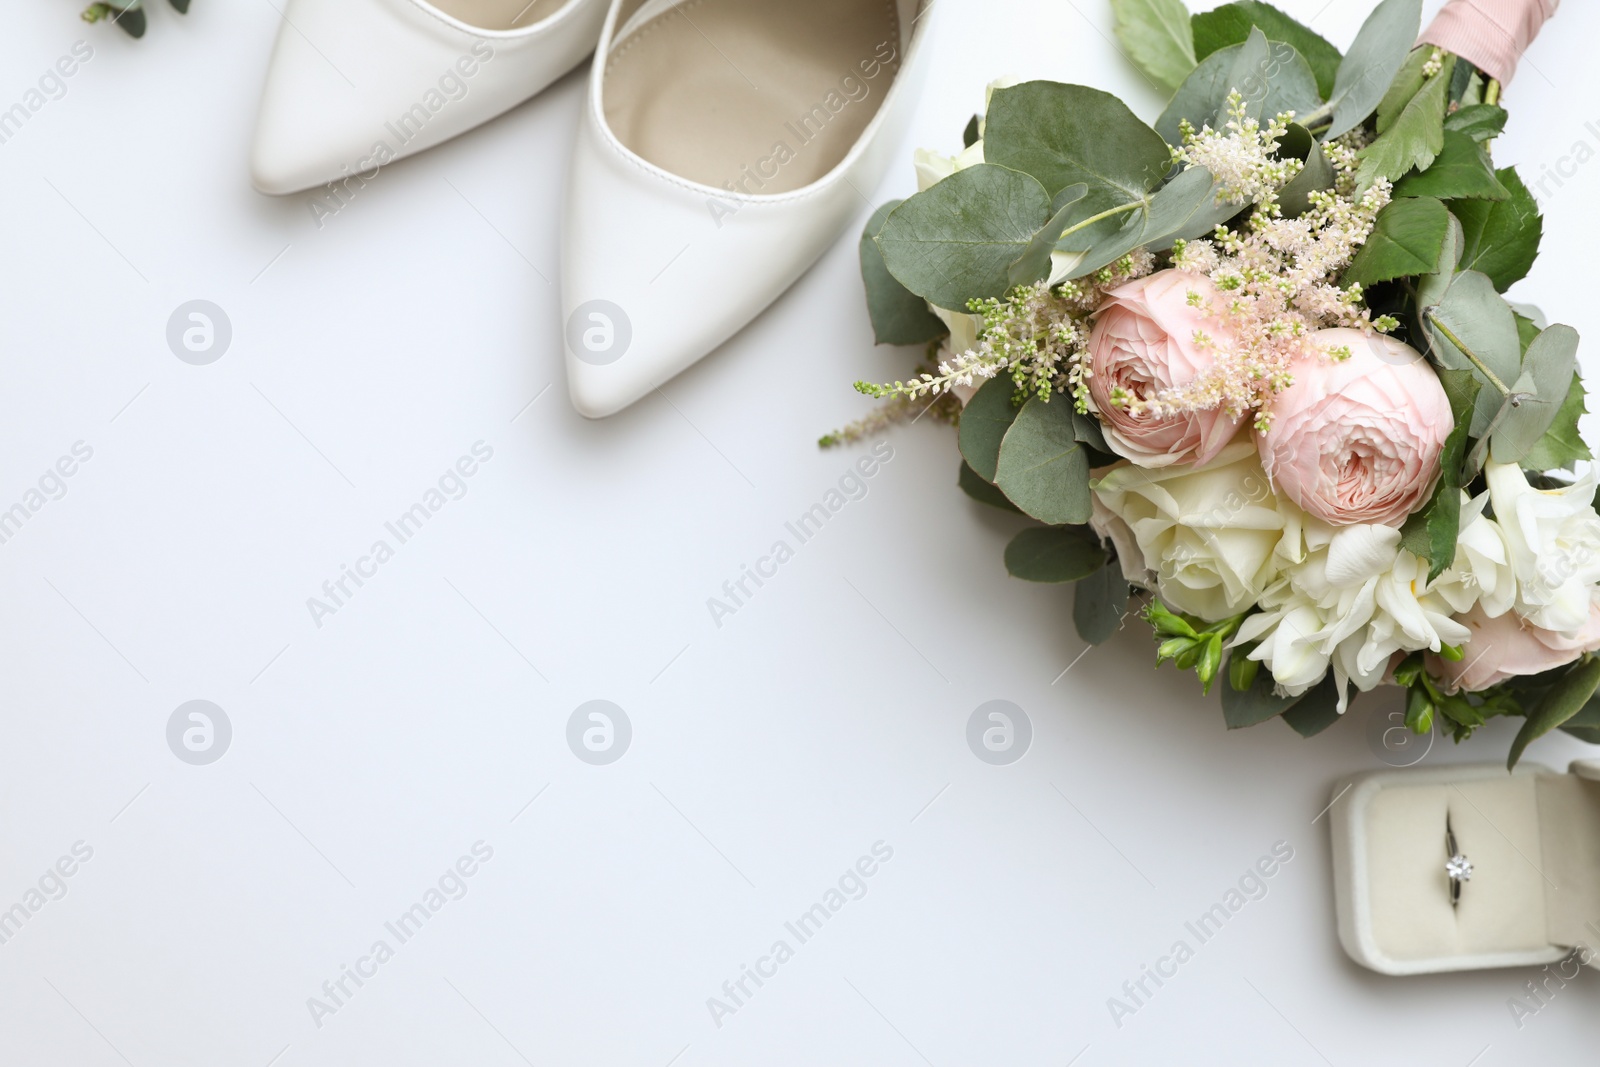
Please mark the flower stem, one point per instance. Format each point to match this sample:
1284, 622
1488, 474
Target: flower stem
1472, 357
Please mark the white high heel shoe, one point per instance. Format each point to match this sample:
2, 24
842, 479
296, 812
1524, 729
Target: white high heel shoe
723, 146
355, 84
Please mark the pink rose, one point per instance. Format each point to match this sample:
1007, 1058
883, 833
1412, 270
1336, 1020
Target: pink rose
1144, 342
1508, 646
1358, 439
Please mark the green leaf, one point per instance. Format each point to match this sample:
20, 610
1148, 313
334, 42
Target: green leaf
1157, 37
1478, 121
956, 241
899, 316
1501, 237
1406, 239
1413, 137
1461, 171
1586, 724
1043, 467
1099, 603
1054, 554
1317, 174
1271, 75
983, 492
1374, 58
1317, 710
1254, 705
1561, 445
1476, 315
1230, 24
984, 422
1034, 263
1087, 429
1185, 207
1538, 395
1065, 134
1407, 83
180, 6
969, 136
1430, 533
1560, 702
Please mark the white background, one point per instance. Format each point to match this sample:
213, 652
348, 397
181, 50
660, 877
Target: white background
768, 754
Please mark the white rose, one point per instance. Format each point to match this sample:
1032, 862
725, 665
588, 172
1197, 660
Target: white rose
1210, 534
1554, 539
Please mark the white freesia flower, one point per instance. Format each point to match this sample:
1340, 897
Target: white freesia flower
1209, 534
1481, 574
1356, 600
1554, 539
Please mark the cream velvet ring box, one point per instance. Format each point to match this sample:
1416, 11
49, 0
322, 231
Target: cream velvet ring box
1533, 838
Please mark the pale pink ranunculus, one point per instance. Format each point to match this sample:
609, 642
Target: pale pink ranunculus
1144, 342
1357, 439
1508, 646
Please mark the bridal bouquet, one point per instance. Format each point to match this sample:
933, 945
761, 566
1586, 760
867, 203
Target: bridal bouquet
1254, 363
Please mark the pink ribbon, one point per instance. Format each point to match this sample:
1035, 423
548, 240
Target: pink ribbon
1490, 34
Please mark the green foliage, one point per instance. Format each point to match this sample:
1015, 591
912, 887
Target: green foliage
1034, 263
1099, 603
1369, 67
129, 15
1317, 710
1500, 237
1192, 644
956, 241
1430, 533
1043, 466
1561, 702
1271, 75
1538, 395
1478, 121
1472, 329
972, 483
1066, 134
1406, 240
1230, 24
1561, 445
984, 422
899, 316
1156, 36
1054, 554
1460, 171
1317, 174
1411, 127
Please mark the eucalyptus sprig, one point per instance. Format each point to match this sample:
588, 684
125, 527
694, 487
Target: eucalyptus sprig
128, 14
1191, 643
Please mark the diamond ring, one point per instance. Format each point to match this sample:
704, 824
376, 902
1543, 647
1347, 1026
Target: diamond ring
1457, 868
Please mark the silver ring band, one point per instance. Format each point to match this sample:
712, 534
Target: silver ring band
1457, 867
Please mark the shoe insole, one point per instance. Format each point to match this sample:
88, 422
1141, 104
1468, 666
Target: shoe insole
763, 96
499, 14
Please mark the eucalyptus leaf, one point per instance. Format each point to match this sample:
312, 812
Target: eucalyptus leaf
984, 422
1230, 24
1317, 710
1501, 237
1156, 36
1086, 428
1317, 175
1461, 170
1560, 702
1099, 603
1043, 467
1562, 445
1406, 240
899, 316
1281, 74
956, 240
1373, 60
1065, 134
1034, 263
972, 483
1538, 395
1475, 315
1054, 554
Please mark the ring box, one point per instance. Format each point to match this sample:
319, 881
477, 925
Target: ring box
1533, 837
